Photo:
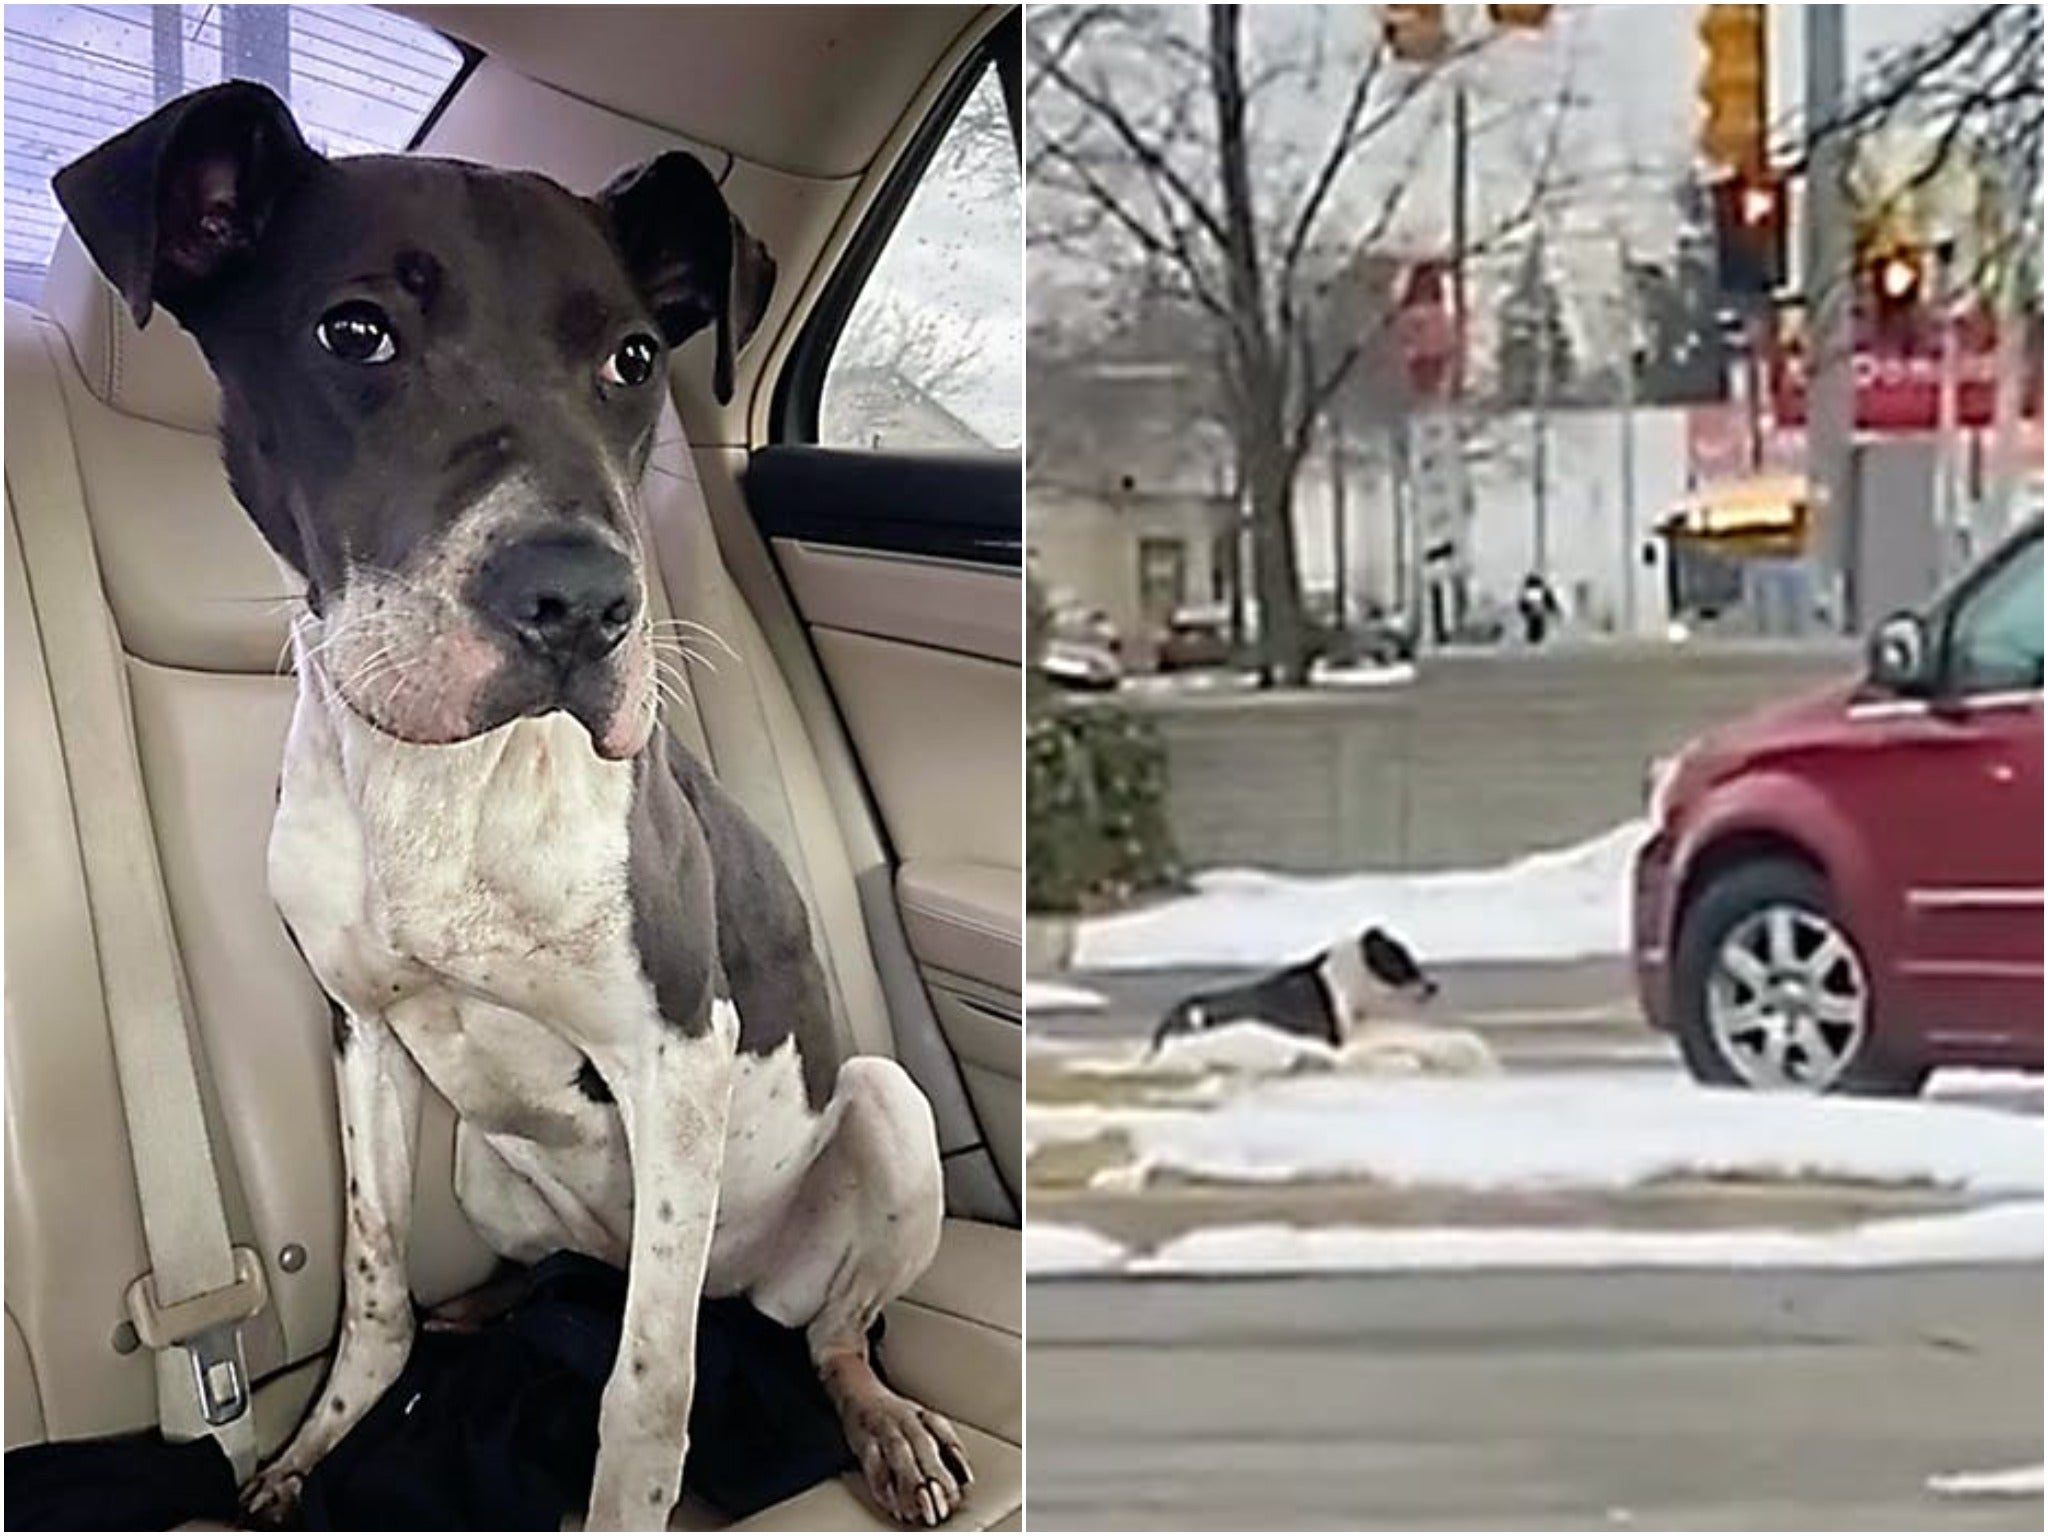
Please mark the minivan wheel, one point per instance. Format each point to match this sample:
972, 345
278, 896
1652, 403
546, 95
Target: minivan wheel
1772, 993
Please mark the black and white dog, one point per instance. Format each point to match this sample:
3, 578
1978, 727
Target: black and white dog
439, 389
1331, 997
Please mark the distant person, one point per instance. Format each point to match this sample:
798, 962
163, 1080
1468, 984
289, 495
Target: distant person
1538, 606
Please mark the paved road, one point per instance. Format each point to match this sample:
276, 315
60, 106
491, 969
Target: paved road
1609, 1401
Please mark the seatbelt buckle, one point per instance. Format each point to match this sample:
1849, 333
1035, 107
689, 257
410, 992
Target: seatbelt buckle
208, 1327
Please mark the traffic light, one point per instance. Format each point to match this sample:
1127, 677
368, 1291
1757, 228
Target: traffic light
1896, 277
1732, 87
1415, 34
1749, 233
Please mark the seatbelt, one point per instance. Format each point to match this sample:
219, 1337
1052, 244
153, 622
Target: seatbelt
189, 1308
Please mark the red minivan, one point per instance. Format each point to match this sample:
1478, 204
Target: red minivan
1843, 892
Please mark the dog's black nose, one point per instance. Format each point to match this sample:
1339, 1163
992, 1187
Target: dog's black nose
568, 597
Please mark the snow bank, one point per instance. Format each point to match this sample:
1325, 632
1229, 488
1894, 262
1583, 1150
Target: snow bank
1559, 905
1591, 1132
1247, 1047
2007, 1483
1059, 997
1052, 1249
2001, 1233
1250, 1049
1362, 675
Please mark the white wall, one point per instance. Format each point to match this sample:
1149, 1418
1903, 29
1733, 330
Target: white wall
1589, 541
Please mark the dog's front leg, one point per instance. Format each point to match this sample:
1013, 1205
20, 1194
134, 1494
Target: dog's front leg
673, 1098
379, 1088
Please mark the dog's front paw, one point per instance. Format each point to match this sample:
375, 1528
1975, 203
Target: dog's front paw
912, 1458
271, 1497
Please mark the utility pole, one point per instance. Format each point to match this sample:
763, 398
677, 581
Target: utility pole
1460, 194
1539, 423
167, 52
1830, 320
1948, 468
1995, 509
1340, 532
1627, 594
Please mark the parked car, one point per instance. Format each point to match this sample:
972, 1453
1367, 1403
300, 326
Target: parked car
1844, 891
1193, 639
1080, 666
1086, 625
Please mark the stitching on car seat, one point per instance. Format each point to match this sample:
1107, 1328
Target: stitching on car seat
965, 1317
113, 349
35, 1380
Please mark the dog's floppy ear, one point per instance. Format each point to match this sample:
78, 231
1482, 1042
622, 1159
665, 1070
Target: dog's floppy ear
690, 256
175, 201
1390, 961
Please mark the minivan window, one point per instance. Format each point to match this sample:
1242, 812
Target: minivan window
1996, 642
360, 81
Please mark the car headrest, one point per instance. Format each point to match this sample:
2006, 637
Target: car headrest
156, 372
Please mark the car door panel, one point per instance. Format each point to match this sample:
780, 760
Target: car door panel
904, 569
1972, 956
946, 604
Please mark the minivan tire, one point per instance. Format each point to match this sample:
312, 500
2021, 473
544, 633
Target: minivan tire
1727, 901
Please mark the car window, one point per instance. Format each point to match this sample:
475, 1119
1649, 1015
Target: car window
359, 80
931, 354
1996, 642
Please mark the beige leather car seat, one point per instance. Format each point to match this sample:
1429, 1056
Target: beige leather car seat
198, 607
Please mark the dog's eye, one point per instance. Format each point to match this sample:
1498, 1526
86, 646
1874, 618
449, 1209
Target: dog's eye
357, 332
633, 364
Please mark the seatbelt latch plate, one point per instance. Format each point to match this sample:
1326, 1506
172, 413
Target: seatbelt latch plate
208, 1327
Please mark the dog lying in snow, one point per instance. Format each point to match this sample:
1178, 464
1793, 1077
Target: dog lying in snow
1352, 1006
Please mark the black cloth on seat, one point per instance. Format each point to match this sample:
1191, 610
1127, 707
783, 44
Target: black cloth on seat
129, 1483
497, 1430
491, 1430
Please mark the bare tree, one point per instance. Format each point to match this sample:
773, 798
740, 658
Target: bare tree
1148, 166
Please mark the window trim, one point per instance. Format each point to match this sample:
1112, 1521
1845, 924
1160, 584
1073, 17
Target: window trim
1952, 684
800, 387
471, 58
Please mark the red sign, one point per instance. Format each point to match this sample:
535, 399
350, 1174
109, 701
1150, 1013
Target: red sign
1899, 378
1424, 328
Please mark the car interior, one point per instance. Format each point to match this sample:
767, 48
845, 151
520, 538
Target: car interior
866, 713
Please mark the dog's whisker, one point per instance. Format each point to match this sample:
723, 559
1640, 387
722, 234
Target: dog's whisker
705, 630
684, 652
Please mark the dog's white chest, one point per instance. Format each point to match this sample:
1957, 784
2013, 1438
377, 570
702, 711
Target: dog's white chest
495, 868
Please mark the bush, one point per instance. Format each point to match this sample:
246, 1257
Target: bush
1096, 823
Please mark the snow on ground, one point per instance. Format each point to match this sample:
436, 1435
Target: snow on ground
2000, 1233
2006, 1483
1583, 1132
1250, 1049
1362, 674
2009, 1232
1563, 904
2012, 1090
1247, 1047
1059, 996
1053, 1249
1195, 680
